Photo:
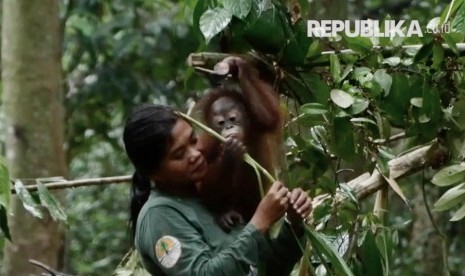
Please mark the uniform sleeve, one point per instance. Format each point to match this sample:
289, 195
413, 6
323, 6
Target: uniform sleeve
286, 250
196, 257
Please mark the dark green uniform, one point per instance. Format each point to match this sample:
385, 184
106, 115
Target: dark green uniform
178, 236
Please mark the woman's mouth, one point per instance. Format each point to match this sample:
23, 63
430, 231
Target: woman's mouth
202, 164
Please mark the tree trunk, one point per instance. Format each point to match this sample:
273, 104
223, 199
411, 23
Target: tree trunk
32, 101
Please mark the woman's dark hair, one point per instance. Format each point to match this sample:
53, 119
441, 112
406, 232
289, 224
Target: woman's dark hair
146, 138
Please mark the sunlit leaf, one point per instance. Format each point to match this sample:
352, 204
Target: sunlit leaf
383, 79
393, 61
449, 176
341, 98
28, 202
238, 8
418, 102
213, 21
363, 120
459, 214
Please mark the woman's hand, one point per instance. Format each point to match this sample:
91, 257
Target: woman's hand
272, 207
300, 206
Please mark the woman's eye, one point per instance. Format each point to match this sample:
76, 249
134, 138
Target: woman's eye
178, 154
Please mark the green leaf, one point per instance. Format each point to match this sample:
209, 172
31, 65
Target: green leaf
200, 7
363, 74
5, 192
450, 198
458, 24
358, 106
418, 102
28, 202
313, 109
323, 246
318, 87
50, 202
450, 9
359, 44
4, 223
335, 67
362, 120
238, 8
451, 43
459, 214
431, 101
392, 61
213, 21
383, 79
424, 52
449, 176
341, 98
314, 49
342, 138
438, 55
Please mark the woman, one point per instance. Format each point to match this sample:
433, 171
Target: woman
174, 233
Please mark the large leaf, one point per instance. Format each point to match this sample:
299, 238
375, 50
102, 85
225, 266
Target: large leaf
50, 202
238, 8
4, 185
213, 21
449, 176
341, 98
323, 246
28, 202
383, 79
450, 198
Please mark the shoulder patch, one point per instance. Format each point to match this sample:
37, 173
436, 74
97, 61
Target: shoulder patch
168, 251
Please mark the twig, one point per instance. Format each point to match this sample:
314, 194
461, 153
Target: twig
390, 139
47, 268
79, 183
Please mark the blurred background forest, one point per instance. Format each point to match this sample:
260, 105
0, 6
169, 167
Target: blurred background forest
116, 54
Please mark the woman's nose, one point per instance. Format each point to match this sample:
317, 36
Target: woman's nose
194, 154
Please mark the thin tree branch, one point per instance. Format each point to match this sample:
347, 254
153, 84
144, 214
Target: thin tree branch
80, 183
209, 59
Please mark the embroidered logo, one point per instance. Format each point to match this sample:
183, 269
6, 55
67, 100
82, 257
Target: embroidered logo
168, 251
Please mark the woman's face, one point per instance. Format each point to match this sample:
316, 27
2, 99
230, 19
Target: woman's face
184, 162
